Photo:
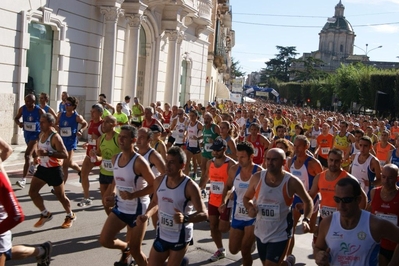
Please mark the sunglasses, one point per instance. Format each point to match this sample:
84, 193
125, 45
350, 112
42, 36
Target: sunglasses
344, 200
68, 104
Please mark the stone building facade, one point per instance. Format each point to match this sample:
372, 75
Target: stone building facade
157, 50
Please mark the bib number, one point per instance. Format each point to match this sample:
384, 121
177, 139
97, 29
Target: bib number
135, 119
107, 165
30, 126
325, 151
65, 132
91, 141
269, 212
217, 188
241, 211
208, 147
327, 211
389, 217
123, 188
166, 126
167, 222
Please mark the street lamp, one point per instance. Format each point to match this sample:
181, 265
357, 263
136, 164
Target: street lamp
367, 51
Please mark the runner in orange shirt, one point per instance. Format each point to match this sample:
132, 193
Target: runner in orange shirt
324, 144
217, 173
383, 148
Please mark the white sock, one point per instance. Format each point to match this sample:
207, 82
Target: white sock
23, 178
221, 249
45, 212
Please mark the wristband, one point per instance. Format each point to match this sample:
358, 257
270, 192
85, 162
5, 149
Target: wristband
185, 220
50, 153
306, 220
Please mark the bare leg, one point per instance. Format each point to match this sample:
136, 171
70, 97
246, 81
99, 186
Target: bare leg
34, 189
87, 166
30, 149
61, 196
22, 252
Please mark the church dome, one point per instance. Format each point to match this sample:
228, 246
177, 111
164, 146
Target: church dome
340, 23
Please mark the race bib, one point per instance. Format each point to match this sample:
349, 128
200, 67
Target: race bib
193, 143
91, 141
167, 222
43, 160
327, 211
208, 147
389, 217
66, 132
179, 138
240, 211
269, 212
166, 126
256, 151
217, 187
123, 188
135, 119
325, 151
30, 126
107, 165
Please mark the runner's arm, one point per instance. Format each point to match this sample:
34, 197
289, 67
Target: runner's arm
17, 117
249, 195
6, 150
60, 150
315, 187
321, 250
159, 162
10, 204
194, 194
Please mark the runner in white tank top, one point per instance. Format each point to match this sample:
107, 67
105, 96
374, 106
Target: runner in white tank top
352, 247
241, 234
176, 196
268, 198
133, 180
351, 236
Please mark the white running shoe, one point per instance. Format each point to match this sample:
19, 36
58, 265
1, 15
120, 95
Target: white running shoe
21, 183
85, 202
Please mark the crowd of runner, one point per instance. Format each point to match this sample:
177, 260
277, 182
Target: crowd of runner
259, 167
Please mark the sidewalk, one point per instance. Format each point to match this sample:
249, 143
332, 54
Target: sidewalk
16, 160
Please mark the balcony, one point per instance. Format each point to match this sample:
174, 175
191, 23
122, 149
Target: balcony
205, 10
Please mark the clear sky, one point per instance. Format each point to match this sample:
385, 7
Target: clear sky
375, 22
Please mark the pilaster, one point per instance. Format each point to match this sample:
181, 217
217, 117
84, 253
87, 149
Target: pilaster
111, 16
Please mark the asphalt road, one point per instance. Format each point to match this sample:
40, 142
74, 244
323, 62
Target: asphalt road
79, 244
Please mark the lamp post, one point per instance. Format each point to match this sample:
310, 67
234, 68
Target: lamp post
367, 51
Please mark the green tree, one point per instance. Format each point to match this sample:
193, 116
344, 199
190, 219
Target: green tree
308, 69
235, 69
278, 67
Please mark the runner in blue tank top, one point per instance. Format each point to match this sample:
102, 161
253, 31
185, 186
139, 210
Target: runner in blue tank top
68, 127
43, 103
30, 113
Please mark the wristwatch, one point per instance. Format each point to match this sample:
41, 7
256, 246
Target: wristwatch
305, 220
50, 153
185, 220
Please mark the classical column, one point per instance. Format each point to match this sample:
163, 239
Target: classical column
178, 60
132, 53
172, 67
111, 15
